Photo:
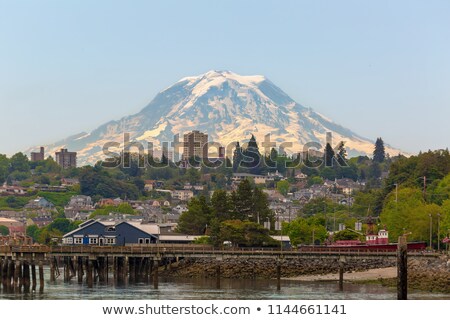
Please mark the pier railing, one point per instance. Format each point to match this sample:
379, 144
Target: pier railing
194, 250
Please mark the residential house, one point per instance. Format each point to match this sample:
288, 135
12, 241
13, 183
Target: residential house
42, 221
12, 190
69, 182
183, 195
39, 203
14, 226
259, 179
149, 185
94, 232
180, 209
80, 201
49, 188
79, 207
347, 186
108, 202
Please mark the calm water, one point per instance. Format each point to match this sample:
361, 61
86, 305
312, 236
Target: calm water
187, 289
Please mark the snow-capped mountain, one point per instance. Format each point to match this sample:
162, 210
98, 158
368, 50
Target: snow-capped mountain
228, 107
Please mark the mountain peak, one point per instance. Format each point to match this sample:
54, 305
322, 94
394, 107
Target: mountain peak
225, 75
228, 107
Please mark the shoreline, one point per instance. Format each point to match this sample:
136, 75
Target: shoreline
367, 275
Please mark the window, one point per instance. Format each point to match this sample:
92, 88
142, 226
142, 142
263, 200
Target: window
69, 240
110, 229
93, 240
147, 240
78, 240
110, 240
141, 240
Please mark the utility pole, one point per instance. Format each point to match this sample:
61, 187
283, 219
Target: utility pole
431, 229
438, 236
424, 187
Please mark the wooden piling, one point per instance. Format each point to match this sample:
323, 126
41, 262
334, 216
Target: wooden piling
341, 276
278, 276
72, 267
10, 276
33, 276
107, 269
402, 269
138, 269
218, 275
41, 276
155, 275
21, 276
1, 272
146, 270
80, 271
95, 270
17, 274
89, 277
26, 276
132, 269
119, 271
125, 269
101, 265
115, 269
66, 269
52, 270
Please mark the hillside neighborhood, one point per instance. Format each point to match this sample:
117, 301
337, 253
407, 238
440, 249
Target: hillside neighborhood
55, 202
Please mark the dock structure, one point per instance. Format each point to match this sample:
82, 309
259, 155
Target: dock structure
141, 263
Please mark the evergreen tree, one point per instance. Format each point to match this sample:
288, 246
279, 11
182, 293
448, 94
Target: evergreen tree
379, 154
341, 153
261, 210
252, 157
221, 205
329, 155
243, 202
196, 219
237, 157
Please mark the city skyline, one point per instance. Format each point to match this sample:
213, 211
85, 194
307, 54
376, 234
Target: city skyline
374, 67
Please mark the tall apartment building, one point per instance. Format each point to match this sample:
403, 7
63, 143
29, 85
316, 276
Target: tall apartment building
66, 159
195, 144
38, 156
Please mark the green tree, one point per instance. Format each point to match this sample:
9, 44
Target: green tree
221, 205
16, 202
4, 230
409, 214
195, 220
243, 202
283, 187
346, 235
379, 154
193, 175
33, 231
260, 207
305, 231
4, 168
342, 153
237, 158
245, 234
328, 155
19, 162
61, 225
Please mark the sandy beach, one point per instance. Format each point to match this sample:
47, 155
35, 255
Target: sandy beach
372, 274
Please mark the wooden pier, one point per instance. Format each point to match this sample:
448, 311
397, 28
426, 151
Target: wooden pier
133, 264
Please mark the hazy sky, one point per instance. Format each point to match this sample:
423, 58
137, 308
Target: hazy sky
380, 68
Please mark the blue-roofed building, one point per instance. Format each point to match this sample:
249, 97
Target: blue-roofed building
94, 232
